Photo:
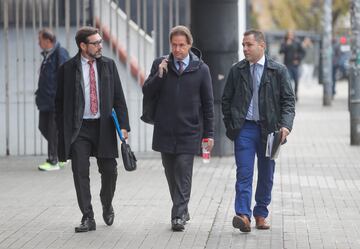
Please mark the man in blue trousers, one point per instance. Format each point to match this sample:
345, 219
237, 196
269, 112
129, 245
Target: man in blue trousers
258, 99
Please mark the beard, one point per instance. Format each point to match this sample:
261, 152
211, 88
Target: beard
95, 55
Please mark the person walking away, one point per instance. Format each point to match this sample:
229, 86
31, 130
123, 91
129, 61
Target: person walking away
53, 56
293, 54
336, 54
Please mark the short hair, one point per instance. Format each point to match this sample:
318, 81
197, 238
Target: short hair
83, 33
181, 30
258, 35
47, 34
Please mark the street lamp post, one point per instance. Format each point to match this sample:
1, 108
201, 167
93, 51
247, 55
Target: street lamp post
327, 53
354, 82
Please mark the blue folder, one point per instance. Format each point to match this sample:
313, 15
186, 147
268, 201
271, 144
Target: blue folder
117, 125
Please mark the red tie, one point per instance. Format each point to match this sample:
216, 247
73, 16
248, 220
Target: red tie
93, 95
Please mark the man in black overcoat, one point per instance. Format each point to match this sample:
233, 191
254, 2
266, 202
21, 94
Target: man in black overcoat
88, 88
184, 115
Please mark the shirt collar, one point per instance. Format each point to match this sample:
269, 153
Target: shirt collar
260, 62
185, 61
84, 60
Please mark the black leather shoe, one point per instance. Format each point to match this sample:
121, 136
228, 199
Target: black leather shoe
108, 215
177, 225
86, 225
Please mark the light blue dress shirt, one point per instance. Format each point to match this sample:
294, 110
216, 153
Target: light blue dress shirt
185, 62
257, 77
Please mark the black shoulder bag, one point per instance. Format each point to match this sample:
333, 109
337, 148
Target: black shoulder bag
127, 154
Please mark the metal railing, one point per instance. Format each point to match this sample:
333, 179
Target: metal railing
133, 42
20, 22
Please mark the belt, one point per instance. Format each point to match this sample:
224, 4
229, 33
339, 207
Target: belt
91, 120
257, 122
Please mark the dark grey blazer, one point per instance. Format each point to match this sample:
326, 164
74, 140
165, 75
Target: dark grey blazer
276, 98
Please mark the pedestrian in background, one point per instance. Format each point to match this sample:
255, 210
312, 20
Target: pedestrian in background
293, 54
89, 88
258, 99
336, 54
184, 116
53, 56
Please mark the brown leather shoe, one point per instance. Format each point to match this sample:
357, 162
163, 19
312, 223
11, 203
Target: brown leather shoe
241, 222
261, 223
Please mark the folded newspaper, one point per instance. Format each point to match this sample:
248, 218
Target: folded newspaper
273, 145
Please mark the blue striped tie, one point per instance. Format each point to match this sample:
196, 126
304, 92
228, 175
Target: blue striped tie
255, 79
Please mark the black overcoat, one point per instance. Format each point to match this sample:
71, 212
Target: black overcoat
185, 108
69, 104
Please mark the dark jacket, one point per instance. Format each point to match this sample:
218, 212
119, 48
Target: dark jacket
185, 108
45, 94
70, 106
293, 53
276, 98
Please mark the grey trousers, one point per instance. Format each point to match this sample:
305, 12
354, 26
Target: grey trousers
178, 171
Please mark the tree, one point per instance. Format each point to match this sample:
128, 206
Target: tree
301, 15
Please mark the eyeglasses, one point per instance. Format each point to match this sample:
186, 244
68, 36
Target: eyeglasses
96, 43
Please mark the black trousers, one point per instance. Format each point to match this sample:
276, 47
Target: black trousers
48, 129
178, 171
83, 147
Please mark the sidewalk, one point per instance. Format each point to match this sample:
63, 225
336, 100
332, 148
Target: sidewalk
316, 197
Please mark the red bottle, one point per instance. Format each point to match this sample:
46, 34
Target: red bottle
205, 152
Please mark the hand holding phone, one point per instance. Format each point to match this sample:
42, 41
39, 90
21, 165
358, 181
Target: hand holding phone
163, 67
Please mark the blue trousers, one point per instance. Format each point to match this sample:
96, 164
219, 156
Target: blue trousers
247, 144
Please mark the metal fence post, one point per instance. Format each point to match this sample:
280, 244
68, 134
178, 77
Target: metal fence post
7, 102
171, 14
34, 63
354, 87
155, 30
161, 27
17, 77
57, 16
67, 23
51, 14
24, 70
177, 10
